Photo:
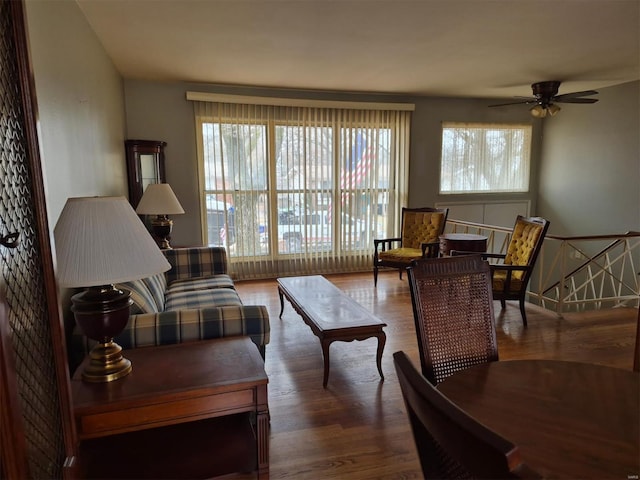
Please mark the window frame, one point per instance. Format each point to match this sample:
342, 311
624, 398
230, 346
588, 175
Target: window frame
447, 172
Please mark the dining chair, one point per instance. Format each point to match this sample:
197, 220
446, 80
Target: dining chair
453, 314
450, 443
419, 238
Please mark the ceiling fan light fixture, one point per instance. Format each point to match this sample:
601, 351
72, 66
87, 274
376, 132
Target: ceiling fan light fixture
538, 111
553, 109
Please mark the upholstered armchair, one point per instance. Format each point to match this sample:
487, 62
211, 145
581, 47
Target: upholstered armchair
510, 276
420, 230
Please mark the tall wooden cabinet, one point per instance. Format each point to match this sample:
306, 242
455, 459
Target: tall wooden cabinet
145, 165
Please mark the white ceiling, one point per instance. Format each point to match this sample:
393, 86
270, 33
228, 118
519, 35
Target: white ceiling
459, 48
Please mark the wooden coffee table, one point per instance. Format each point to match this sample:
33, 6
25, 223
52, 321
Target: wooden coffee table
331, 315
192, 410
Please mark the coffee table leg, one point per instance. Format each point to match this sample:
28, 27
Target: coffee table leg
325, 354
281, 302
382, 339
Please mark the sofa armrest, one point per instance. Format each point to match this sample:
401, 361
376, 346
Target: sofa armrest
196, 262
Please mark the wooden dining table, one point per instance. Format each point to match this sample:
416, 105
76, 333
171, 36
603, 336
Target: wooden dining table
569, 420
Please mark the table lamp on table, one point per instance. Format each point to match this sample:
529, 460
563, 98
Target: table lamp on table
101, 241
158, 199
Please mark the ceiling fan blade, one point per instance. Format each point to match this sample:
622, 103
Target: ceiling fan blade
530, 100
575, 100
586, 93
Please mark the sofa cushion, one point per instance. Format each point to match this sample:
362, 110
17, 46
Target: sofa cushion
195, 262
189, 325
157, 285
188, 285
214, 297
143, 299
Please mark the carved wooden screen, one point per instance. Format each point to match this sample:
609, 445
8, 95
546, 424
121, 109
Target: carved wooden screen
36, 425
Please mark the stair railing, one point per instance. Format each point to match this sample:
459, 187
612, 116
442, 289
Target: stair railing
574, 273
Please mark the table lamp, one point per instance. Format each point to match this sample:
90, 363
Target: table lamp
101, 241
159, 199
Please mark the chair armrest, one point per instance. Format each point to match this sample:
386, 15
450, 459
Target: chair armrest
484, 255
386, 243
196, 262
509, 269
499, 256
430, 249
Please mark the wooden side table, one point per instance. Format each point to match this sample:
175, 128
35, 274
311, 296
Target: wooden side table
467, 242
191, 410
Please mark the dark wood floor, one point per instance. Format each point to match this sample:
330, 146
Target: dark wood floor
357, 427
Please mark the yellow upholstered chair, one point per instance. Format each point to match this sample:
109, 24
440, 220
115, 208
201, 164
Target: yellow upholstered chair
420, 230
511, 275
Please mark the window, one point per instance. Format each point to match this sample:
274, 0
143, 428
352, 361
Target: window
478, 157
299, 187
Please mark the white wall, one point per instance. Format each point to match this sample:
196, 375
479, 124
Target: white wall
426, 144
160, 111
80, 102
590, 170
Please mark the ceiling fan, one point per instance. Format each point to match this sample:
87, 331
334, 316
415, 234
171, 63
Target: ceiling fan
545, 97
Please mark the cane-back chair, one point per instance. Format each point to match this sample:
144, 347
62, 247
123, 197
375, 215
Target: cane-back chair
453, 313
419, 238
451, 443
511, 275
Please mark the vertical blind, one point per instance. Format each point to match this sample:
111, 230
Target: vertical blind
300, 189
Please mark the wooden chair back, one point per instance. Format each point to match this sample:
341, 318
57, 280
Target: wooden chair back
422, 225
451, 443
453, 313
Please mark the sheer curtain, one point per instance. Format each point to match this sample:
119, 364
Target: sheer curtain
291, 187
485, 157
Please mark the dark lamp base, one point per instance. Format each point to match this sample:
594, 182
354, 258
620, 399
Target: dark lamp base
102, 313
162, 226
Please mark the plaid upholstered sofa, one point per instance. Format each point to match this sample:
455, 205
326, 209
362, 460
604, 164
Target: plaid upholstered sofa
194, 300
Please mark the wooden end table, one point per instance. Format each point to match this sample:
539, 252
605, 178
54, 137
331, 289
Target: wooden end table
466, 242
191, 410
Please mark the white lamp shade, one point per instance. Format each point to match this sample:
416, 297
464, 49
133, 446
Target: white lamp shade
159, 199
101, 240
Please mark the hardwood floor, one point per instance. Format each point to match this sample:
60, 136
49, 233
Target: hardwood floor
357, 428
